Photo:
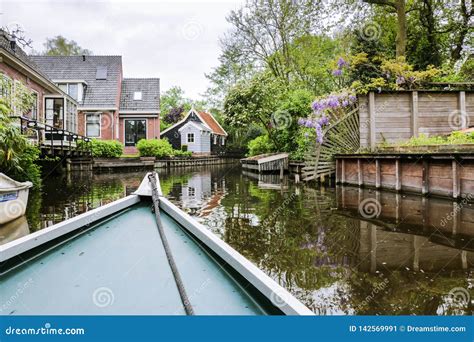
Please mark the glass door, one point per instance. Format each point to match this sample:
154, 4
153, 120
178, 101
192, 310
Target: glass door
135, 130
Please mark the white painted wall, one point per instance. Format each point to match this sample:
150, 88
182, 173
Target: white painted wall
202, 139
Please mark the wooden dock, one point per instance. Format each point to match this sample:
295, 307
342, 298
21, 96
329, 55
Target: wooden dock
440, 174
276, 162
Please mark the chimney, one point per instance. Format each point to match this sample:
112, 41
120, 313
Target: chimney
13, 45
83, 58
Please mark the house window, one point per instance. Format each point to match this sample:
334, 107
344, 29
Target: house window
137, 95
74, 90
190, 137
135, 130
34, 108
54, 111
215, 139
93, 125
191, 191
222, 141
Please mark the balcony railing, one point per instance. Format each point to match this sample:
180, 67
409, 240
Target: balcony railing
53, 138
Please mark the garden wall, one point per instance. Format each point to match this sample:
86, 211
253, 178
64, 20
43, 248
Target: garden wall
399, 115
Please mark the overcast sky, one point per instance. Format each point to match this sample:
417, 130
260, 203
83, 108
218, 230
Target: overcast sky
174, 40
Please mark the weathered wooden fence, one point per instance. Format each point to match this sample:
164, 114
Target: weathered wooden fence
340, 137
399, 115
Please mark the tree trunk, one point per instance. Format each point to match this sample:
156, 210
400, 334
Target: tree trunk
401, 40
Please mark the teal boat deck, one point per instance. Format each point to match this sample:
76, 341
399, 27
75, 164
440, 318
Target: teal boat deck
120, 268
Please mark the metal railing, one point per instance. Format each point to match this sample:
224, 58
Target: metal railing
53, 137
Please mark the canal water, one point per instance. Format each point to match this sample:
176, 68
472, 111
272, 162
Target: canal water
339, 250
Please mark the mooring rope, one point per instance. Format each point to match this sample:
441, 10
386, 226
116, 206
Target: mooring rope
179, 283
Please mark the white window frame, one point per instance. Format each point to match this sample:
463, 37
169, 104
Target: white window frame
37, 106
188, 135
137, 96
100, 124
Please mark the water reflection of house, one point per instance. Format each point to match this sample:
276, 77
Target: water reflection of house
196, 190
200, 195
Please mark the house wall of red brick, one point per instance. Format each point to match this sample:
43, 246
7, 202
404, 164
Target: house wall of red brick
152, 132
108, 124
17, 75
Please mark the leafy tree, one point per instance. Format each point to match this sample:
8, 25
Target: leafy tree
254, 102
263, 32
17, 155
174, 115
60, 46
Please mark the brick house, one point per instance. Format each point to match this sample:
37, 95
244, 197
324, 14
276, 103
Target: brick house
110, 107
52, 105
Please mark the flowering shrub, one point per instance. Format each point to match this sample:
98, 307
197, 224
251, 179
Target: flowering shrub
332, 105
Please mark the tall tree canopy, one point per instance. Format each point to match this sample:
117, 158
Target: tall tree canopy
61, 46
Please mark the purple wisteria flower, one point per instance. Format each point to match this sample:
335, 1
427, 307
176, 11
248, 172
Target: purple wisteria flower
400, 80
341, 63
301, 121
333, 102
323, 121
337, 72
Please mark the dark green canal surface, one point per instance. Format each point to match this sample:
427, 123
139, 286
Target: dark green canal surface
315, 241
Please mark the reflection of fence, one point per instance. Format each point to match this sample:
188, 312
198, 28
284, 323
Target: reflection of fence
342, 136
53, 140
423, 233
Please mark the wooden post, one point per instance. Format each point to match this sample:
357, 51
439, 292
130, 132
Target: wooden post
456, 217
337, 171
343, 172
359, 173
462, 109
398, 175
281, 170
425, 178
456, 186
372, 136
417, 243
373, 248
377, 174
414, 113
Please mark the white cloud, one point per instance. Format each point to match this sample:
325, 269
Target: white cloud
174, 40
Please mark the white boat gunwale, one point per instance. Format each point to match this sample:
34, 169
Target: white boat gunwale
40, 237
276, 294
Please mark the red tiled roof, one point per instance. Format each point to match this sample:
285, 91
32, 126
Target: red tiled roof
212, 123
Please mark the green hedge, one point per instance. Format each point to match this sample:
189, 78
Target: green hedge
182, 154
105, 148
260, 145
155, 148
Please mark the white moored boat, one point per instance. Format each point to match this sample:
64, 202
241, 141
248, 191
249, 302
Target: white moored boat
13, 198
